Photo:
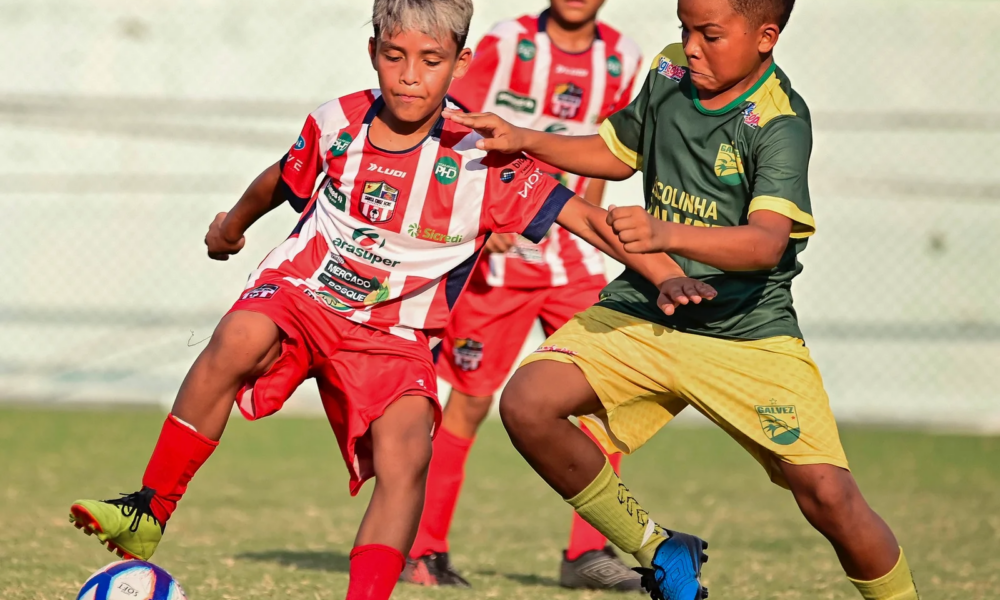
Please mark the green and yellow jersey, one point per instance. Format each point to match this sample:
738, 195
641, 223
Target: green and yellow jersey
712, 168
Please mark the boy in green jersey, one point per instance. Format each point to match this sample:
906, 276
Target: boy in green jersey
723, 143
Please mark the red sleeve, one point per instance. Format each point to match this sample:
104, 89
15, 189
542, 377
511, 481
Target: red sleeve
301, 166
520, 198
470, 91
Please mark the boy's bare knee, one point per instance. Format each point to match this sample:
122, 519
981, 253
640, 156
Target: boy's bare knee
405, 461
541, 392
827, 495
402, 440
515, 405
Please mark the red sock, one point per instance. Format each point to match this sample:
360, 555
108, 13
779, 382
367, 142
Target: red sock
582, 536
444, 482
180, 451
374, 571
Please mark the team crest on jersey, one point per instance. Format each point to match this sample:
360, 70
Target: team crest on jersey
670, 70
468, 354
780, 423
567, 100
751, 118
729, 165
378, 202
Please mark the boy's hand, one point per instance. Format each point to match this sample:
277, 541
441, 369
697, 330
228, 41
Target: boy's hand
499, 243
498, 134
683, 290
219, 246
638, 231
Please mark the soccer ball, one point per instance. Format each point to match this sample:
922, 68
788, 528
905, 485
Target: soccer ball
131, 579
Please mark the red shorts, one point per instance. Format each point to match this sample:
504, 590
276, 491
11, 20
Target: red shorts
360, 371
489, 325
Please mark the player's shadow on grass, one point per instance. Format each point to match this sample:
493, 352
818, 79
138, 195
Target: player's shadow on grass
523, 578
313, 560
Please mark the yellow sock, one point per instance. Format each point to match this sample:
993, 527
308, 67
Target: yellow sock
608, 505
897, 584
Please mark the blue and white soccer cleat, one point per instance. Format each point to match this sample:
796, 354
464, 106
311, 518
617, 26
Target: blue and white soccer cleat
676, 572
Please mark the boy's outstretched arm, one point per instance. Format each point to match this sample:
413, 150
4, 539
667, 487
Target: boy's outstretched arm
225, 234
756, 246
586, 155
591, 223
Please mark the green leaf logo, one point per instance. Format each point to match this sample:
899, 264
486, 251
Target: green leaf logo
614, 66
341, 144
446, 170
526, 50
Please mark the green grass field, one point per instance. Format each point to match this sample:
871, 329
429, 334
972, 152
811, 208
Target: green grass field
270, 517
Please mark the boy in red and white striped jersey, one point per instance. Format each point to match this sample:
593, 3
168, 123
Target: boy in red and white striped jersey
559, 71
355, 297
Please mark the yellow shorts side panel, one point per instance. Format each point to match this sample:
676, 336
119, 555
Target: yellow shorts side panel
767, 394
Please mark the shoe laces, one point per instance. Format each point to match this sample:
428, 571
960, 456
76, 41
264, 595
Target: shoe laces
649, 582
136, 505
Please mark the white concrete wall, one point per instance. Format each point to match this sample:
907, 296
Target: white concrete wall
124, 127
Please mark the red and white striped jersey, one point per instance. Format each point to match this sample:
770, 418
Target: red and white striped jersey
519, 74
389, 239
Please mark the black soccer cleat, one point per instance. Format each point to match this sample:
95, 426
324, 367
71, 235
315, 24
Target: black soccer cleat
432, 570
598, 570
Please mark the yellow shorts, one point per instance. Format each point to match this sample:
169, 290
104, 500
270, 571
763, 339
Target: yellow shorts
767, 394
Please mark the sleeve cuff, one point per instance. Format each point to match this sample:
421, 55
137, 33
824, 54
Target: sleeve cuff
298, 203
625, 154
546, 216
803, 224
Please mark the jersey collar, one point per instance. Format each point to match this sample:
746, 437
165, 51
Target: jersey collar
737, 102
435, 131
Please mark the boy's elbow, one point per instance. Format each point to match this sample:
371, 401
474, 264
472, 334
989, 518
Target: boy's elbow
620, 171
771, 255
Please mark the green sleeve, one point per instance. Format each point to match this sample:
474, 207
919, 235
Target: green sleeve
623, 131
781, 174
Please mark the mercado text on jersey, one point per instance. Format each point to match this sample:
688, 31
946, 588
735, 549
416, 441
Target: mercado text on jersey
713, 168
388, 239
519, 74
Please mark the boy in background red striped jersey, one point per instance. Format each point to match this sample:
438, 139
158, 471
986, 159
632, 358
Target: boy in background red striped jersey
397, 204
560, 71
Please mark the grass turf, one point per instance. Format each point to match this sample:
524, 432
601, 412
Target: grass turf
269, 516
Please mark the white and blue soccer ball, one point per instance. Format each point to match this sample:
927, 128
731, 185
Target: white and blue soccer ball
129, 580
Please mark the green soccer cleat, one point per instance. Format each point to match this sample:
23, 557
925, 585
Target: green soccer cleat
125, 525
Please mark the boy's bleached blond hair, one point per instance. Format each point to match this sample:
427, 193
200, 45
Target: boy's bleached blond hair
436, 18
